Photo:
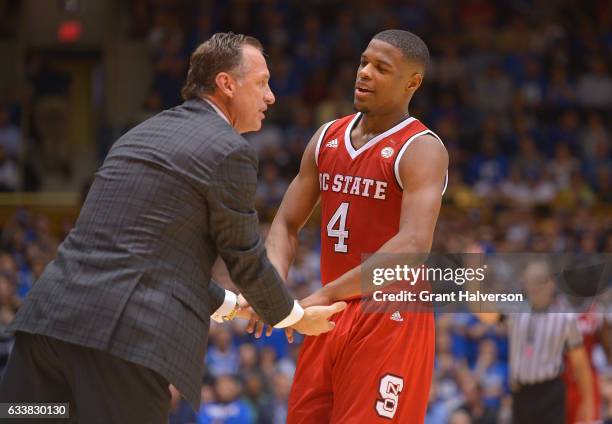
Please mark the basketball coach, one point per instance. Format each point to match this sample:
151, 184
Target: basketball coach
124, 309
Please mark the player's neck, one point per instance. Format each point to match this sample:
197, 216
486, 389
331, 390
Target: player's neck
372, 123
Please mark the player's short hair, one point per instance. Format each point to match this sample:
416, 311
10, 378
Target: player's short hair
220, 53
411, 45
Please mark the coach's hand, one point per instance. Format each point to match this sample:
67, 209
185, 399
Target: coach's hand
255, 325
313, 323
315, 320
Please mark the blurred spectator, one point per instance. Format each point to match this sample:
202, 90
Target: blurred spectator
488, 169
10, 135
53, 163
8, 307
270, 187
248, 359
460, 417
437, 412
449, 70
152, 106
8, 301
9, 178
493, 90
595, 87
180, 411
533, 84
594, 137
478, 411
281, 386
222, 357
560, 92
228, 406
257, 395
491, 374
529, 161
563, 165
578, 193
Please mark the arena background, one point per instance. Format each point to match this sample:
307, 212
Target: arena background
519, 91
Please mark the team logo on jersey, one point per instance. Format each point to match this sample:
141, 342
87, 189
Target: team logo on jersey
387, 152
333, 144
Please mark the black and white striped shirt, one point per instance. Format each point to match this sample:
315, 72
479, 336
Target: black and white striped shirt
538, 341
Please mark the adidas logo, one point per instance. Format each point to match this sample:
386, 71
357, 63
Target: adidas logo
333, 144
396, 316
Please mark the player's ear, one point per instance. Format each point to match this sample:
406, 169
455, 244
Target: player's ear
414, 82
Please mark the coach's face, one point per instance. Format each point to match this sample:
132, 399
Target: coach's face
252, 93
385, 79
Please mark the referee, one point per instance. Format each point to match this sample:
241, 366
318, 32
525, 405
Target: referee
538, 342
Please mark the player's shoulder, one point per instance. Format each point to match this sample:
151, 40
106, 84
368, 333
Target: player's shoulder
424, 155
427, 144
423, 149
429, 140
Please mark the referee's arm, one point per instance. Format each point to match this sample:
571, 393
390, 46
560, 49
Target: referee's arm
577, 356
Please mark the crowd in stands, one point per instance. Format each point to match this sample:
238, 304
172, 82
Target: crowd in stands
521, 95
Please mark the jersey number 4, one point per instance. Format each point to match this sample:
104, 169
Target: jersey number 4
341, 233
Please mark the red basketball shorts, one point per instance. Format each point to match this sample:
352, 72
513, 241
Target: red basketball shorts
371, 368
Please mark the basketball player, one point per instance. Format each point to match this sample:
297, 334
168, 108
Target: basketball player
595, 328
380, 175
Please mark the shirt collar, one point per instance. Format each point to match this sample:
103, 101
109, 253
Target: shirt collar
221, 114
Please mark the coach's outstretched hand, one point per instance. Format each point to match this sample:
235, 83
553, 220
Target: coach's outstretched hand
315, 320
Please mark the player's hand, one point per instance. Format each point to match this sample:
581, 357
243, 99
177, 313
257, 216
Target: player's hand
315, 299
318, 298
586, 414
315, 320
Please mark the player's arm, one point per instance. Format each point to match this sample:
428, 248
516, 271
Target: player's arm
605, 339
584, 377
422, 170
296, 207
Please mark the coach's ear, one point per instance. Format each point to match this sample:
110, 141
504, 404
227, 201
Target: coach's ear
226, 84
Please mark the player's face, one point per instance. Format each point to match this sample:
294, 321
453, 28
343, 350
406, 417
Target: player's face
385, 79
252, 95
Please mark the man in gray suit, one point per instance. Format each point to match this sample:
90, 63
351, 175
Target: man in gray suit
125, 307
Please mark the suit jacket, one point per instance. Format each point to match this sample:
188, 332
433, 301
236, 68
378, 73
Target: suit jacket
133, 278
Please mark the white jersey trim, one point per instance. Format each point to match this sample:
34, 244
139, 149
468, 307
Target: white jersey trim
321, 137
398, 158
347, 136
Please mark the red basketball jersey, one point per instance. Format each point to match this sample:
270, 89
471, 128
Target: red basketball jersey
361, 191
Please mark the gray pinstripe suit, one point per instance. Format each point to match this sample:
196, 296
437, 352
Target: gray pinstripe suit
133, 277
